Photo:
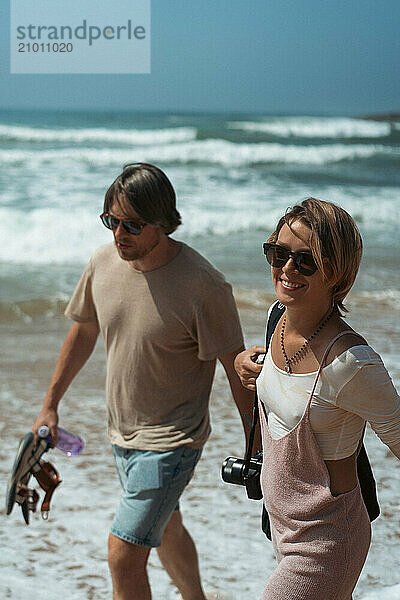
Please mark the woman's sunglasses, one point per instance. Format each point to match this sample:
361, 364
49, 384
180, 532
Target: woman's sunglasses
278, 256
130, 226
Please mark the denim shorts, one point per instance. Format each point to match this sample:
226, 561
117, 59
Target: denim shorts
152, 484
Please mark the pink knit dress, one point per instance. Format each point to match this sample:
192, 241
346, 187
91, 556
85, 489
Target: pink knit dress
320, 541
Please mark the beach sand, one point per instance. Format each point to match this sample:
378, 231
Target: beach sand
67, 555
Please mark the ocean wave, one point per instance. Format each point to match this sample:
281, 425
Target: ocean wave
255, 299
251, 299
66, 228
382, 298
26, 311
131, 137
56, 235
212, 151
316, 127
60, 237
230, 154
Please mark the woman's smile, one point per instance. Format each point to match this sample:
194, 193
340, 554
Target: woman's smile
290, 285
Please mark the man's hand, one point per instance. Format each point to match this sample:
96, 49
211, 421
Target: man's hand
246, 368
49, 417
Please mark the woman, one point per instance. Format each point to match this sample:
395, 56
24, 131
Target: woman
319, 384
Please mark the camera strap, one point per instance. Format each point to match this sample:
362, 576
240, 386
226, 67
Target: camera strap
276, 312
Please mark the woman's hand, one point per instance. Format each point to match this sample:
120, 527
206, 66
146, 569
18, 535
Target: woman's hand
246, 367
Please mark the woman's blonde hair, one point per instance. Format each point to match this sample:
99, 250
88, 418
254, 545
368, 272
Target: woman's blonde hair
335, 243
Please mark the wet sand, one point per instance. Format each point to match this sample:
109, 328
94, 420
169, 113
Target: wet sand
67, 555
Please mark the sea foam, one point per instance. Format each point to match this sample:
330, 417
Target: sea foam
315, 127
213, 151
132, 137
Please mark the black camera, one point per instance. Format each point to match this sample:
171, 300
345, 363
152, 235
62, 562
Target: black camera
233, 471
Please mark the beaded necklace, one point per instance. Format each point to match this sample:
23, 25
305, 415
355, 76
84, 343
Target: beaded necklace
301, 352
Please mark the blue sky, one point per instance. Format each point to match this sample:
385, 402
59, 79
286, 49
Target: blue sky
266, 56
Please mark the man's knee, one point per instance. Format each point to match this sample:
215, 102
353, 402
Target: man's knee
125, 558
175, 527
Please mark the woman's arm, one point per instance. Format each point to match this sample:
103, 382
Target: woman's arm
370, 393
246, 368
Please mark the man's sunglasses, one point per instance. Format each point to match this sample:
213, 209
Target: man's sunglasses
278, 256
130, 226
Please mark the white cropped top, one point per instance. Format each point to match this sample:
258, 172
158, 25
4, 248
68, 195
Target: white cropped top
351, 390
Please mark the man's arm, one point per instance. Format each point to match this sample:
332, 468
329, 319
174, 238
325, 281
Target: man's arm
244, 398
78, 346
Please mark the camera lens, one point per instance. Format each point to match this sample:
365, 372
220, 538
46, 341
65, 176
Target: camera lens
232, 470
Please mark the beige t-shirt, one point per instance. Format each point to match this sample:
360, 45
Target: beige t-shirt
163, 330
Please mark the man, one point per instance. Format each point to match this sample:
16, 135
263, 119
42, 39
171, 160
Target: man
165, 315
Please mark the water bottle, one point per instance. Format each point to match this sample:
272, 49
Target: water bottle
67, 442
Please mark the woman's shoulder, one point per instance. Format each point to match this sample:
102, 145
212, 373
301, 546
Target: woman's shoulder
354, 361
351, 345
351, 353
349, 340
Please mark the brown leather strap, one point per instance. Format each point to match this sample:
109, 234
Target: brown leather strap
25, 494
48, 479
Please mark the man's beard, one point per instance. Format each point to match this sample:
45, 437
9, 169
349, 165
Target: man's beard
133, 253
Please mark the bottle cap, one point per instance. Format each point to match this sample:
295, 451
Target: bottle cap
43, 431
